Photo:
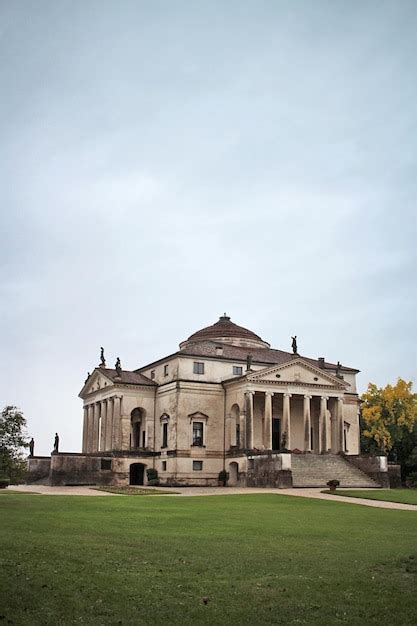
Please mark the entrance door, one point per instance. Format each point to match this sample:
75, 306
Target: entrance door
136, 473
276, 434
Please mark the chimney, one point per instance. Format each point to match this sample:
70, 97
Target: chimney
321, 361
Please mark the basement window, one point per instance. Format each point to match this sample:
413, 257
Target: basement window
105, 464
197, 466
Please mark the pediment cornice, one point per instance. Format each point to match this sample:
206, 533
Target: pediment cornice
275, 375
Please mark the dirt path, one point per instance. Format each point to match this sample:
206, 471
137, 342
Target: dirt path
218, 491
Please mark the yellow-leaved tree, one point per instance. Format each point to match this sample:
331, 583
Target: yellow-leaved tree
389, 419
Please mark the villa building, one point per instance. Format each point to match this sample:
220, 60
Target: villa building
225, 400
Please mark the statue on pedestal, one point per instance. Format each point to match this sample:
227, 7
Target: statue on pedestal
56, 442
118, 368
102, 359
248, 362
31, 446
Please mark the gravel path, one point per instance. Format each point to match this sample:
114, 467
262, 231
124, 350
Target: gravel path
218, 491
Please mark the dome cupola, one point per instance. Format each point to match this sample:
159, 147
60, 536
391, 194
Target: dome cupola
225, 331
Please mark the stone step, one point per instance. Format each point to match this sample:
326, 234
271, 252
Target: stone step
312, 470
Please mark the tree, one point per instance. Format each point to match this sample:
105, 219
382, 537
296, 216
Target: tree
13, 440
389, 421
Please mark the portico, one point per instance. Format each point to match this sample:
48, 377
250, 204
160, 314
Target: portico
293, 407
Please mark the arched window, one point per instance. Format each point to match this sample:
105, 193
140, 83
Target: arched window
138, 428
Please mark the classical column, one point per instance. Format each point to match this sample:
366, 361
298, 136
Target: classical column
340, 446
90, 428
323, 423
268, 420
109, 427
116, 423
249, 420
286, 422
96, 422
103, 425
85, 429
242, 422
307, 424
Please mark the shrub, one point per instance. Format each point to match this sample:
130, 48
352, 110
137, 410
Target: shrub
223, 477
152, 473
4, 482
154, 482
333, 484
411, 480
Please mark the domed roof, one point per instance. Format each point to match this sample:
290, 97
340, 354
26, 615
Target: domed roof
226, 331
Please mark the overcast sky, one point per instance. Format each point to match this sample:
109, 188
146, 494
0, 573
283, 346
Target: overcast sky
164, 162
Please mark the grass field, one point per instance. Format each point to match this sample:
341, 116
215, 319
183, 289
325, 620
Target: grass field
242, 559
405, 496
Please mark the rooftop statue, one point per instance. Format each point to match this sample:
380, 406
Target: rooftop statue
294, 345
118, 368
102, 359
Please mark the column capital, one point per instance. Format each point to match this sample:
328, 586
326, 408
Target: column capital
307, 397
324, 397
269, 393
287, 395
250, 392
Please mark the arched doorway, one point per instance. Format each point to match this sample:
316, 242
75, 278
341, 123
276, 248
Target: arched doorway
136, 474
233, 474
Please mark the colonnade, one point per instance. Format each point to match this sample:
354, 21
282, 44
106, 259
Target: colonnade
328, 429
102, 425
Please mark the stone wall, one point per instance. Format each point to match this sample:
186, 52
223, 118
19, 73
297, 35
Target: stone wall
273, 470
38, 468
376, 467
394, 475
78, 469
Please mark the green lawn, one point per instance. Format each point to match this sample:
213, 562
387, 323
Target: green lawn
256, 559
405, 496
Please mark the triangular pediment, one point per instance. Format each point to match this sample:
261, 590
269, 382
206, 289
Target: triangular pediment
296, 372
96, 381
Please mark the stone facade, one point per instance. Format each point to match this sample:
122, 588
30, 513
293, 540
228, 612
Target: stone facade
225, 400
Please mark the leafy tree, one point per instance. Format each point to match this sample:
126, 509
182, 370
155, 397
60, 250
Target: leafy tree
389, 422
12, 441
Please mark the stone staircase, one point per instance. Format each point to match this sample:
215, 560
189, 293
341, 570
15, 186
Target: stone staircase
314, 470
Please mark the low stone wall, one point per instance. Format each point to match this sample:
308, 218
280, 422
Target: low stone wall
273, 470
78, 469
38, 468
394, 475
376, 467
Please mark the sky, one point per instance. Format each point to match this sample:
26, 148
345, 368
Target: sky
164, 162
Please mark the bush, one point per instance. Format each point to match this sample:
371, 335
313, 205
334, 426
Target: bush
411, 480
223, 477
4, 482
152, 474
154, 482
333, 484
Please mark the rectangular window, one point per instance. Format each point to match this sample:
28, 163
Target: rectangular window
165, 370
251, 464
237, 370
198, 368
197, 466
164, 466
143, 438
106, 464
153, 374
197, 433
165, 435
